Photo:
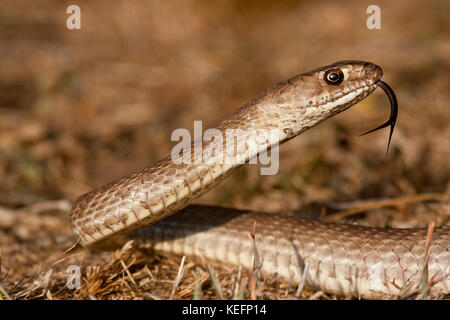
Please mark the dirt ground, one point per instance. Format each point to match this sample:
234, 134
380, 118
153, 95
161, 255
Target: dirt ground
79, 108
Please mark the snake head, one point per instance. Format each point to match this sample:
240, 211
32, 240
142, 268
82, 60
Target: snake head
323, 92
317, 95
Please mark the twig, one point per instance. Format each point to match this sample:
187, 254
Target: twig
60, 205
9, 216
386, 203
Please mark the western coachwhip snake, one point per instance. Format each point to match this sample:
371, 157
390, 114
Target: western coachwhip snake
343, 259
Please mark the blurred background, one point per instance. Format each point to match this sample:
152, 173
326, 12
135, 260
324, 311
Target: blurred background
79, 108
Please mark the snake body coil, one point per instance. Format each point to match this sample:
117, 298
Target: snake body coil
344, 260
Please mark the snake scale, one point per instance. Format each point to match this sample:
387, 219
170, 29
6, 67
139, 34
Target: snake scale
344, 260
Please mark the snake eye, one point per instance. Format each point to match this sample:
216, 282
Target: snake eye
334, 76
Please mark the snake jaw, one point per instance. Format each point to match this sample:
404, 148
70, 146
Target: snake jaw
394, 111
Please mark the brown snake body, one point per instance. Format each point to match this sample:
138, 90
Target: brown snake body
342, 259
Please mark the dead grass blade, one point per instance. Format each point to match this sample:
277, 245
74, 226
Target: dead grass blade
316, 295
178, 278
236, 283
4, 294
198, 295
302, 281
215, 282
255, 275
424, 283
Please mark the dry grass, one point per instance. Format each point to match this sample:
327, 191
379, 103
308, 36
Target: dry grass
41, 271
81, 108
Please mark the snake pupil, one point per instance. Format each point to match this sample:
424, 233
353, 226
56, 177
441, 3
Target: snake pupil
334, 76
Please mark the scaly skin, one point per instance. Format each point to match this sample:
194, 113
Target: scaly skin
102, 217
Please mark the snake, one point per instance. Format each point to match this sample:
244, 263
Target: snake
153, 205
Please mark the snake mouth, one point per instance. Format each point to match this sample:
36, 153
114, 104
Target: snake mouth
394, 111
